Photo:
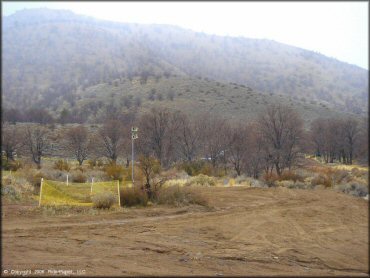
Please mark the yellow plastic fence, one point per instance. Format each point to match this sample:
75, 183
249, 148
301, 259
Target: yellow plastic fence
74, 194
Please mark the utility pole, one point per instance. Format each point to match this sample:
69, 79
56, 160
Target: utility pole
134, 136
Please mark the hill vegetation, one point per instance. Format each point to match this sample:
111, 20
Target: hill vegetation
49, 55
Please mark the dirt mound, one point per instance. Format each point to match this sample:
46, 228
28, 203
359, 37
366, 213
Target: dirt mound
246, 231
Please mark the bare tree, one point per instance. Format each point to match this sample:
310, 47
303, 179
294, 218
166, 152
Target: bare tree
362, 151
150, 168
215, 138
281, 129
171, 138
154, 128
238, 146
336, 138
77, 142
350, 132
12, 140
317, 136
111, 139
37, 143
189, 137
254, 156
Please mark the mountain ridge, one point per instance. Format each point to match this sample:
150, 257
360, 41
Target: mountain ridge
61, 52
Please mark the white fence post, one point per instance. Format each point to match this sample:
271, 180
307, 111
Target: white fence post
119, 195
92, 183
42, 181
67, 179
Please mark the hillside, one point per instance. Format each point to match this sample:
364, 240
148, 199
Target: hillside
49, 54
193, 95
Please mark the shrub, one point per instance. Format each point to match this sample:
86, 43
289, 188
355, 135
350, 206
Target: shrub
98, 175
195, 168
6, 181
114, 171
360, 173
290, 175
202, 180
35, 180
231, 182
257, 183
10, 192
354, 189
247, 181
178, 196
340, 175
270, 179
104, 200
356, 172
62, 165
127, 174
12, 165
52, 174
293, 185
322, 179
95, 162
133, 197
80, 168
78, 177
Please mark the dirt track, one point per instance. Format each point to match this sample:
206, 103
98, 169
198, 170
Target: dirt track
248, 231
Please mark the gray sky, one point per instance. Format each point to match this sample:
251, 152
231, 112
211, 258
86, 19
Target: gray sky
335, 29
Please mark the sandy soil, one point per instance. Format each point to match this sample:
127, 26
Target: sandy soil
246, 231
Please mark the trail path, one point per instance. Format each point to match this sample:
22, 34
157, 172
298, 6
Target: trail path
247, 231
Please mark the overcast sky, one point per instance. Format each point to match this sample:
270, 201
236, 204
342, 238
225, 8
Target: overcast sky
335, 29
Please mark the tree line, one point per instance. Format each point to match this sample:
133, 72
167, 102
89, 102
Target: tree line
273, 142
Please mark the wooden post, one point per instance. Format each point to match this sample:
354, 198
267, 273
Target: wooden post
42, 181
92, 183
67, 179
119, 195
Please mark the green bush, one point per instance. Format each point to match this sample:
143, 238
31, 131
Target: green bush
103, 200
178, 196
133, 197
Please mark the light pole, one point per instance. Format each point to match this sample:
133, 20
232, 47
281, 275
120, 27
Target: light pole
134, 136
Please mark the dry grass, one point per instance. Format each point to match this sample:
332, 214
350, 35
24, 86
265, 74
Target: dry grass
62, 165
180, 196
322, 180
201, 180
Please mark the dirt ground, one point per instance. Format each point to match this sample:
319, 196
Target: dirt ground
246, 231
